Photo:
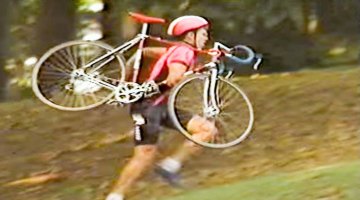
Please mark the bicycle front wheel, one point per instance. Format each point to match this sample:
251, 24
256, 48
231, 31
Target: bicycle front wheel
54, 84
234, 121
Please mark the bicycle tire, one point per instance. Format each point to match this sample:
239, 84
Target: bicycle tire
176, 95
56, 68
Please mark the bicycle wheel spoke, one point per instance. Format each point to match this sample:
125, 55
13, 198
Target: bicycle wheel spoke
228, 95
198, 87
186, 109
60, 57
87, 51
93, 97
82, 57
186, 102
97, 53
81, 101
57, 67
242, 116
92, 53
50, 82
228, 131
233, 102
85, 54
75, 55
54, 63
221, 135
71, 60
46, 91
102, 94
183, 118
52, 76
56, 97
66, 98
76, 101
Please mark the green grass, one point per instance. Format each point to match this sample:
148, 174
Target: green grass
334, 182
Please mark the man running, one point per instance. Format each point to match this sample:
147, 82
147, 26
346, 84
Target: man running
151, 114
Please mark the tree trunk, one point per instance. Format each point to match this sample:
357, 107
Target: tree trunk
5, 10
56, 24
111, 22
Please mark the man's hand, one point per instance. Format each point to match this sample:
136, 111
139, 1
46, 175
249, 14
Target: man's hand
199, 68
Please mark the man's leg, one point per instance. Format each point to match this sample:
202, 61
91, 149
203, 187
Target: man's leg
202, 130
143, 158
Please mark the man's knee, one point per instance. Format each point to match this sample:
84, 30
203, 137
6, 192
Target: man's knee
145, 152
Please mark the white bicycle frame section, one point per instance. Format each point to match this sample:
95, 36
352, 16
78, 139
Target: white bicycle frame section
87, 72
210, 100
139, 39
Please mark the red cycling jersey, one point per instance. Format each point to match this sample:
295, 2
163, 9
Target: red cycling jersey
176, 54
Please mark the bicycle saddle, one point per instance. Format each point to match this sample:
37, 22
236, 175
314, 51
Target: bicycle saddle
146, 19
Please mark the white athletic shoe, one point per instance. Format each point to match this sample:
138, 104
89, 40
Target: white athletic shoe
115, 196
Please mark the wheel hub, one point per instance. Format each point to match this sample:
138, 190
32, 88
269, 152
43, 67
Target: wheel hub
211, 111
81, 86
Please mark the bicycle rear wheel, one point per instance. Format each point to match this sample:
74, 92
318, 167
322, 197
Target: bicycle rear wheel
234, 121
54, 84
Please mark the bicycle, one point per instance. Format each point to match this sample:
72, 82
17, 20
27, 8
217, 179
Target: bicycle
80, 75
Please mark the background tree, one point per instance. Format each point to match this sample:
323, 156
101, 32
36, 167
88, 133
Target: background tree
5, 10
56, 24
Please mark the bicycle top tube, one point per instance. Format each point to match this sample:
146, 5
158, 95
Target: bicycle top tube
146, 19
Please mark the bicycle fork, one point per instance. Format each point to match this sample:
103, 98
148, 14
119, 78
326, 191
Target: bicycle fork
210, 98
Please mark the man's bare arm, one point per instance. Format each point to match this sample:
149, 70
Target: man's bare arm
176, 73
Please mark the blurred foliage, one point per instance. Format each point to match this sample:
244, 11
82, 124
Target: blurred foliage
22, 33
291, 34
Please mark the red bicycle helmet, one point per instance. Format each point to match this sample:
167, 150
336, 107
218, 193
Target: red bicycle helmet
185, 24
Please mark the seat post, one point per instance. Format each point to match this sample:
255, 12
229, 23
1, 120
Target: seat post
137, 62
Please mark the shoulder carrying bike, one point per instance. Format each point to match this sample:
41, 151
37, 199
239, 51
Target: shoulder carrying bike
80, 75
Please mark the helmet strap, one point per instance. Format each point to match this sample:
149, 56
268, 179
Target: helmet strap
193, 40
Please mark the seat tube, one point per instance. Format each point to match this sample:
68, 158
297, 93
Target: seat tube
138, 57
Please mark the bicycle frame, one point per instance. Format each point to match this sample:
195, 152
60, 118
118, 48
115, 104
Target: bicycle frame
139, 39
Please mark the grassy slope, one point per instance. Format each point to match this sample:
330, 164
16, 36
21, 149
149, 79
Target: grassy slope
333, 182
303, 120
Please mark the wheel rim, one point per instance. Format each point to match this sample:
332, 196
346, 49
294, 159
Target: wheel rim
54, 83
233, 126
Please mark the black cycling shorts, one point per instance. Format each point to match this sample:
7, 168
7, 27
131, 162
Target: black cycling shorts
150, 119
